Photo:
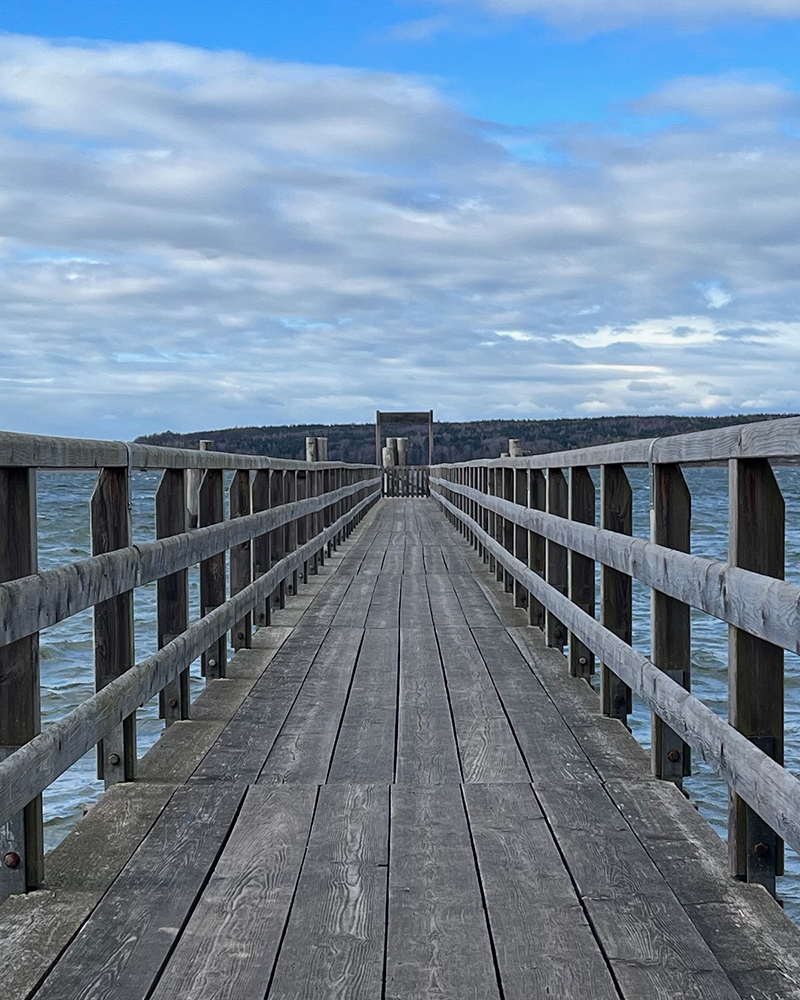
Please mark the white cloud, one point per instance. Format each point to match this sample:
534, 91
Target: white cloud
601, 14
196, 238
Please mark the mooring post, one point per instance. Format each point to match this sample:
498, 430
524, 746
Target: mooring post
755, 667
110, 517
616, 589
172, 591
213, 571
671, 649
21, 839
582, 503
556, 555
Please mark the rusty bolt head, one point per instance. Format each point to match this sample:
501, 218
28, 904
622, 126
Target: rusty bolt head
173, 703
113, 758
673, 755
760, 849
12, 859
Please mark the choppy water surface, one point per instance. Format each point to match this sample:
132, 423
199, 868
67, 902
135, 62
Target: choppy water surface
68, 671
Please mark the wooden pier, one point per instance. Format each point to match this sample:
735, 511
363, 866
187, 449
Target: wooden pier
399, 787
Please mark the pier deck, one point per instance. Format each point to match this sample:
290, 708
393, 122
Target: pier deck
398, 792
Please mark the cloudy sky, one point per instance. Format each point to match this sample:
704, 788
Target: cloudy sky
215, 215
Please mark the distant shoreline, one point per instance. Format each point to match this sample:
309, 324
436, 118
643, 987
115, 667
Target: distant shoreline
454, 441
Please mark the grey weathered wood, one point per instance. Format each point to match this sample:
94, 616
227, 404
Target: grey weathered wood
366, 741
549, 749
241, 557
671, 641
556, 569
542, 939
772, 791
36, 602
764, 607
755, 667
120, 950
113, 620
384, 608
231, 942
355, 605
437, 942
520, 534
582, 504
537, 499
290, 531
37, 764
486, 744
213, 590
40, 451
445, 607
415, 607
304, 747
616, 589
334, 943
20, 707
426, 745
173, 592
262, 560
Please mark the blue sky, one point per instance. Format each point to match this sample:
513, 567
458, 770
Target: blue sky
279, 212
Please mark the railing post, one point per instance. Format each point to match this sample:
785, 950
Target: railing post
289, 496
21, 839
278, 535
213, 571
241, 558
616, 589
520, 534
173, 591
491, 523
301, 525
755, 667
110, 515
537, 556
671, 627
582, 508
193, 479
556, 555
261, 556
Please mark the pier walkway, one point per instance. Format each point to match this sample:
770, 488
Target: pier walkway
398, 792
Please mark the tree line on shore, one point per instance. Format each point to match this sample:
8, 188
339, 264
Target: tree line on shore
453, 441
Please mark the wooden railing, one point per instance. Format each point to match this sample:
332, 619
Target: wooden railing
406, 481
536, 528
284, 515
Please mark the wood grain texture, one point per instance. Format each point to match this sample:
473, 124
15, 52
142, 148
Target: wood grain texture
426, 745
230, 943
486, 744
334, 944
366, 742
438, 943
120, 950
616, 589
544, 945
213, 571
304, 747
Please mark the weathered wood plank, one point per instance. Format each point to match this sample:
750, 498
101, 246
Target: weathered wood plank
581, 569
384, 608
355, 605
486, 744
556, 572
231, 941
120, 950
304, 747
415, 606
366, 743
438, 944
113, 620
426, 745
173, 592
544, 945
334, 944
616, 589
445, 606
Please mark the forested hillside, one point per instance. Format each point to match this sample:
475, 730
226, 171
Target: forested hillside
453, 442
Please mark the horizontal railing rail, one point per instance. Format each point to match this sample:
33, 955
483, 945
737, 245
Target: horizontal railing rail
36, 765
280, 518
534, 520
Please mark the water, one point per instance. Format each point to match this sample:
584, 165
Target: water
68, 671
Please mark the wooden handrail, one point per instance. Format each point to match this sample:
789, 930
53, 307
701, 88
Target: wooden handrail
763, 783
34, 766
